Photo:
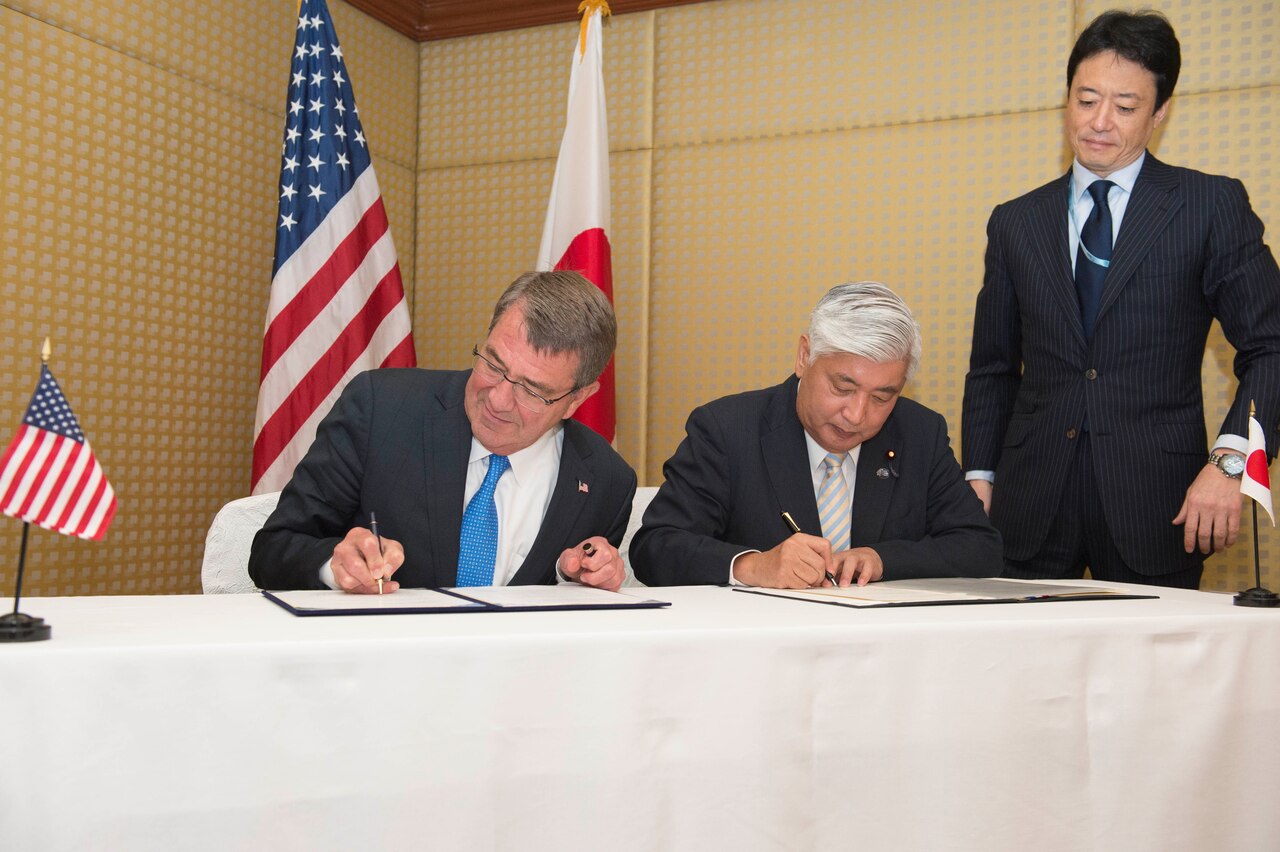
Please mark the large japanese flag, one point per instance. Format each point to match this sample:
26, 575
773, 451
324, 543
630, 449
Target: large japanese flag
1256, 482
576, 234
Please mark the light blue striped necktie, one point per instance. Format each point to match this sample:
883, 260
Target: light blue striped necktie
835, 512
478, 544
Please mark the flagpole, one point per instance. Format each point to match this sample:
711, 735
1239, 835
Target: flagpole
22, 565
17, 627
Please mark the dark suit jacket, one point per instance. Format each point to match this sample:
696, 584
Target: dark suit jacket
396, 443
1189, 249
743, 462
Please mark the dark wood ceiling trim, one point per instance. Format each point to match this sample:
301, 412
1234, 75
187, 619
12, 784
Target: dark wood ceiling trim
429, 20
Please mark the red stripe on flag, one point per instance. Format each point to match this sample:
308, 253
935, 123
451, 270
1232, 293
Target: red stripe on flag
589, 253
92, 508
402, 356
74, 497
294, 318
46, 466
21, 465
325, 374
64, 479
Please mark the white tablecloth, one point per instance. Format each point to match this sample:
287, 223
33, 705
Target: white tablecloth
729, 721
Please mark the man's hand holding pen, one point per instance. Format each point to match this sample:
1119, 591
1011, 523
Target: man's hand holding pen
799, 562
595, 563
358, 563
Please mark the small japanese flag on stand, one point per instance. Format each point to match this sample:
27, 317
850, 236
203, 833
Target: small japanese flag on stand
576, 234
1256, 484
1256, 481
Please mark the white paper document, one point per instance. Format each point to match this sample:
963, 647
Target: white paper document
945, 590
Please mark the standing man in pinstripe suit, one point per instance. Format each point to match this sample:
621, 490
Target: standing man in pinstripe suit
1083, 428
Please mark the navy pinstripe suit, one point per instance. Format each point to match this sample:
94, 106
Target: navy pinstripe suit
1189, 250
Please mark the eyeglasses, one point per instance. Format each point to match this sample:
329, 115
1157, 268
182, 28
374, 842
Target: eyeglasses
526, 396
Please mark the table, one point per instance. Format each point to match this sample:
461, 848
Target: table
728, 721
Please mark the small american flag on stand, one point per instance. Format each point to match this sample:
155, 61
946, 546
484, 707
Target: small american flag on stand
49, 476
337, 303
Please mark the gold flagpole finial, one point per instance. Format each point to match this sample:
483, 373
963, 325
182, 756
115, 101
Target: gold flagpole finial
45, 352
1253, 409
586, 8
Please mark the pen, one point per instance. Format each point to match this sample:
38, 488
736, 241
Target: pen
795, 528
588, 548
373, 528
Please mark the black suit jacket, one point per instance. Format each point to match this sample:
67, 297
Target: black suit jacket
397, 443
1189, 250
743, 462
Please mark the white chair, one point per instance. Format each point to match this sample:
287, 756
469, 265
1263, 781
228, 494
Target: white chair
225, 569
644, 496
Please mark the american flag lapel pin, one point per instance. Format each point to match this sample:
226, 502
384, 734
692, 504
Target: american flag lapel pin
582, 487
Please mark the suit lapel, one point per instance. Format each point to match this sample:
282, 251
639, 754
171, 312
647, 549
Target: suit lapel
1047, 225
875, 483
1155, 201
446, 443
567, 502
787, 459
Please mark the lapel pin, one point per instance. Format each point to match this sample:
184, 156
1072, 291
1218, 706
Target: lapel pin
582, 487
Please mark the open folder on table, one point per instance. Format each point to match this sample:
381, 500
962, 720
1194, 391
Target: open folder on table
947, 590
472, 599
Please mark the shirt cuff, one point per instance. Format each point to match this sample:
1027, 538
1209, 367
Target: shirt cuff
984, 475
733, 581
1232, 442
326, 575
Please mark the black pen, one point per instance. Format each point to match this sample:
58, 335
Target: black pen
373, 528
795, 528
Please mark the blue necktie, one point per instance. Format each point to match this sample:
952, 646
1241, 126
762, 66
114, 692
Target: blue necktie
1094, 255
478, 545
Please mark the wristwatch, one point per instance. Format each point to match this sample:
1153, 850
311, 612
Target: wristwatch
1231, 465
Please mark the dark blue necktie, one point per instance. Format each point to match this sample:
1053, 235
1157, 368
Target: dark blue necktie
478, 544
1094, 255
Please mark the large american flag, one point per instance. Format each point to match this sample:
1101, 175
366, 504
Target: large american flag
49, 476
337, 302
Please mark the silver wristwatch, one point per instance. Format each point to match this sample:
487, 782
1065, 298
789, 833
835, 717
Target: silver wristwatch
1231, 465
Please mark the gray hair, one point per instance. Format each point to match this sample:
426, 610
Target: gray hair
564, 312
866, 319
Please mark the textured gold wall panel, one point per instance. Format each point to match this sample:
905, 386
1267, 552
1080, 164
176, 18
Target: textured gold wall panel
756, 68
242, 48
139, 198
502, 97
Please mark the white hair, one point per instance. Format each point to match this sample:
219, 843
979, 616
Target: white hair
866, 319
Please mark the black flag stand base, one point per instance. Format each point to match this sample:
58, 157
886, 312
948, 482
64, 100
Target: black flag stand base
15, 626
18, 627
1257, 597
